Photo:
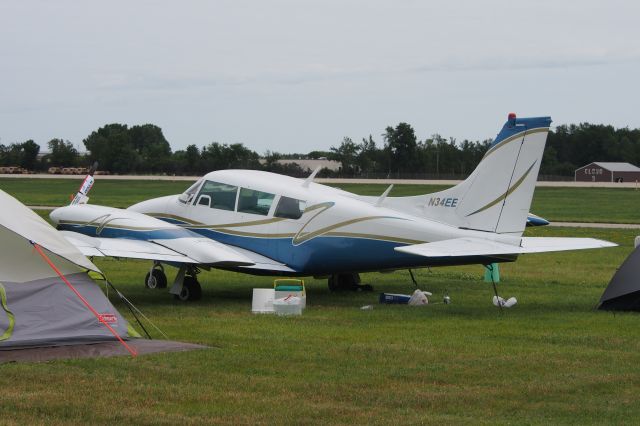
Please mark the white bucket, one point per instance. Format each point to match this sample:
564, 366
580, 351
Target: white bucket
288, 306
300, 294
262, 302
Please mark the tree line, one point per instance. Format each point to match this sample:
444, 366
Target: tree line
143, 149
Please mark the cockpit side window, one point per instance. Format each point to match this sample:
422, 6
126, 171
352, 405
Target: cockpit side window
255, 202
188, 195
290, 208
217, 195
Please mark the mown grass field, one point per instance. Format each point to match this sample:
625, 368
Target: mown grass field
551, 359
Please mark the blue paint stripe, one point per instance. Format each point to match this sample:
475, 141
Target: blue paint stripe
106, 232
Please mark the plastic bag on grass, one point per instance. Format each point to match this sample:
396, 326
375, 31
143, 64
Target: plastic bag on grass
419, 298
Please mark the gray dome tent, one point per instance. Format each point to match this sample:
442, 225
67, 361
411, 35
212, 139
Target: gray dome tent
37, 307
623, 291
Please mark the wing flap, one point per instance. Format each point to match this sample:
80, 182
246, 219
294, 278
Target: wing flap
125, 248
471, 246
263, 263
206, 251
200, 251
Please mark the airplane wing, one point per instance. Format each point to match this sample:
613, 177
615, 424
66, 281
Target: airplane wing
263, 263
480, 247
201, 251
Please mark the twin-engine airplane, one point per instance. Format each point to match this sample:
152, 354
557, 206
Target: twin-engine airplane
263, 223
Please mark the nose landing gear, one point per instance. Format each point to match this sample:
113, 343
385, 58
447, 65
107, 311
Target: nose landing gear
156, 278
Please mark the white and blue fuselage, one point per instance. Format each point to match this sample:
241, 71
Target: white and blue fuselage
265, 223
312, 229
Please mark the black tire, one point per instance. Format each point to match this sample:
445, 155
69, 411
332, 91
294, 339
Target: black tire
333, 283
344, 282
366, 287
155, 279
191, 290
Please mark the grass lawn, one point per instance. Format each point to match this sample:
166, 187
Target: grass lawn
549, 360
617, 205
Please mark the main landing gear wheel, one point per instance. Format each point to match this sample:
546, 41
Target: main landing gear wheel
347, 282
191, 289
155, 279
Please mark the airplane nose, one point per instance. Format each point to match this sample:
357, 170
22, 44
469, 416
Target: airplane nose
55, 216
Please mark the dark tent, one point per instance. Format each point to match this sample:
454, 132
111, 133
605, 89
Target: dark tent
623, 292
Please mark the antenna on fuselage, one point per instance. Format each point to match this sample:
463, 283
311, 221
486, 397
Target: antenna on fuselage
308, 180
383, 196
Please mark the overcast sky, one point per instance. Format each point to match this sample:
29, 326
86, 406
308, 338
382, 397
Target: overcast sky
296, 76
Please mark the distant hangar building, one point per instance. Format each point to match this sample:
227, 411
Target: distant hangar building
607, 172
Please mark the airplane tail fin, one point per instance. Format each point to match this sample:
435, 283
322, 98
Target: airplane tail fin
81, 196
496, 197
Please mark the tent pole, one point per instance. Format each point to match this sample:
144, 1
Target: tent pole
85, 301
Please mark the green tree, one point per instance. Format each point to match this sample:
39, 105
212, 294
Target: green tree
62, 153
401, 145
193, 160
315, 155
23, 154
139, 149
346, 154
368, 155
153, 150
28, 157
111, 146
217, 156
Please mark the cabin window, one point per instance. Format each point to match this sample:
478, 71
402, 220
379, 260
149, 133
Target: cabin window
218, 195
256, 202
290, 208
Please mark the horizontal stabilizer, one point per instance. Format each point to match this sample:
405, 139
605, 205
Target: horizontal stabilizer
545, 244
481, 247
460, 247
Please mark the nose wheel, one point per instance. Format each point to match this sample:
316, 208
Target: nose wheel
155, 278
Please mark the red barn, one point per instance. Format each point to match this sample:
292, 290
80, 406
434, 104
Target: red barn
607, 172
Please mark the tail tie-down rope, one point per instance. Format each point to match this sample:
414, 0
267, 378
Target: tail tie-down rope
85, 301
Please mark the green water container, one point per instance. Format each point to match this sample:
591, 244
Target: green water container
289, 288
492, 273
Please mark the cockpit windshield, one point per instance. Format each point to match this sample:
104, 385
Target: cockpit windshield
217, 196
188, 195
